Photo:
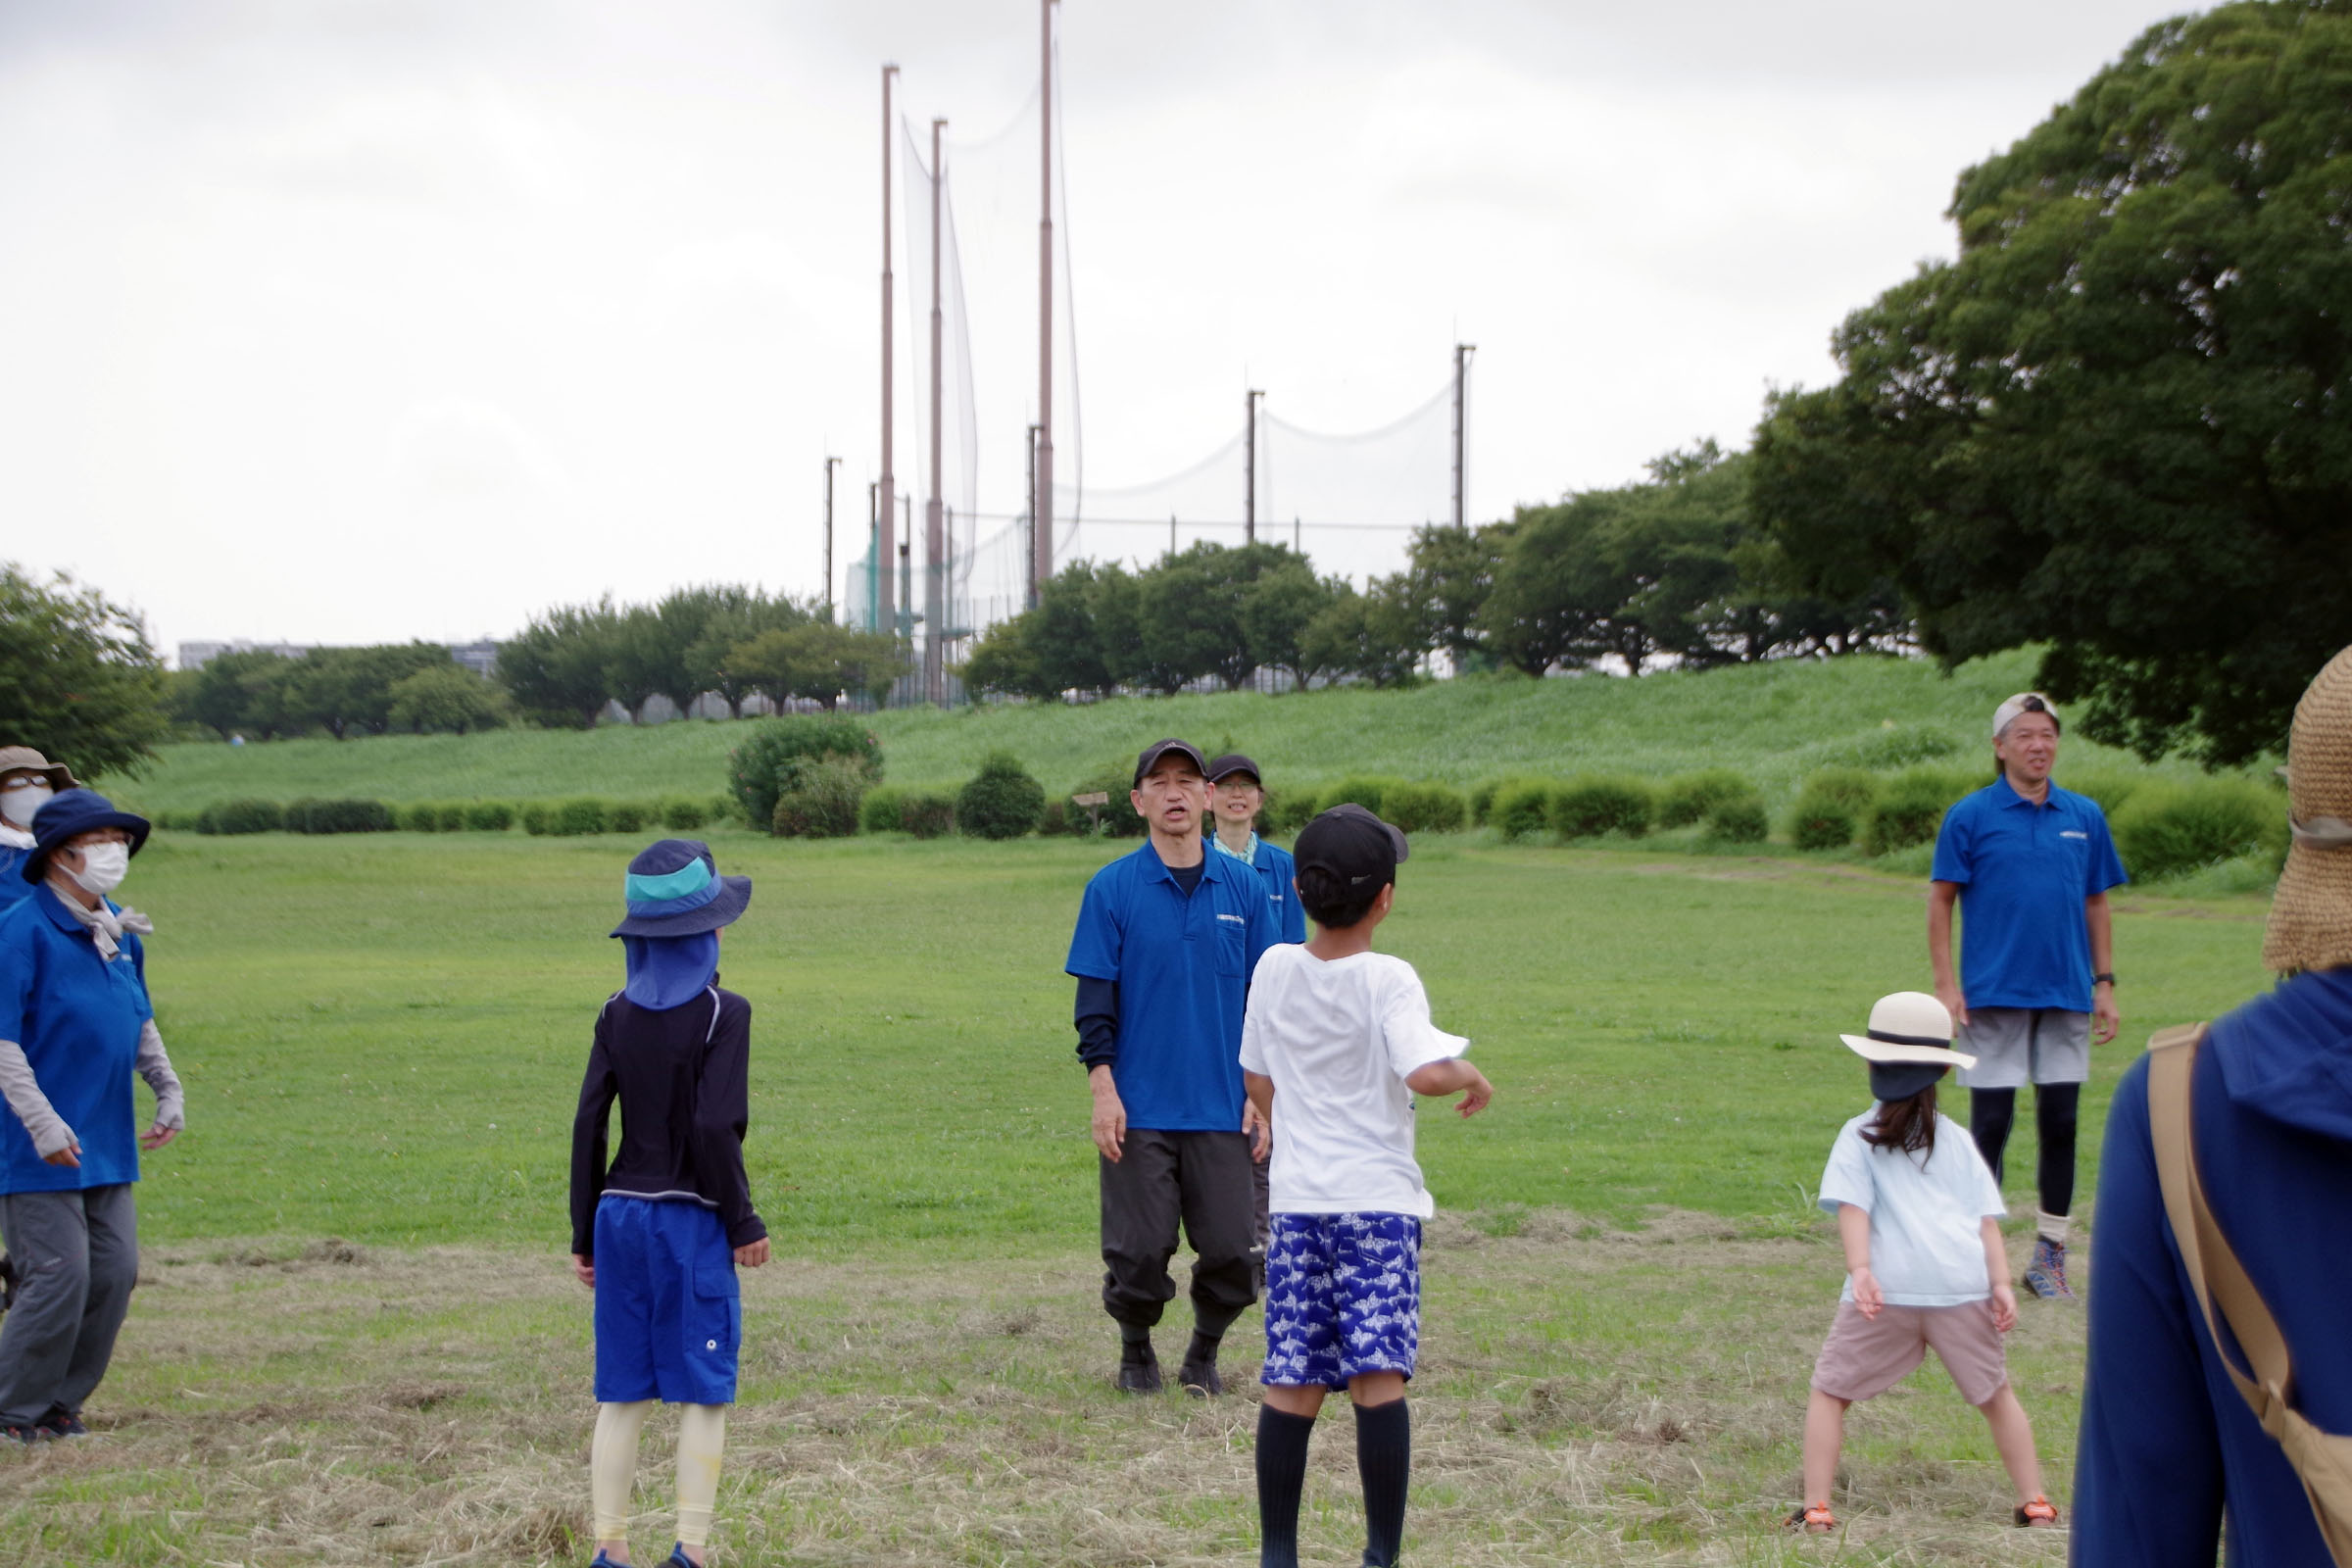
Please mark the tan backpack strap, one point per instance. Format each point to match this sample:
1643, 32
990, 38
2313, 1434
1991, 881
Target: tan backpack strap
2322, 1460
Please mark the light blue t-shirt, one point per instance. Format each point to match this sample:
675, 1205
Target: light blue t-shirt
1926, 1213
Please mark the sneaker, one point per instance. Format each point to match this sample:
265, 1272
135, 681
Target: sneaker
2039, 1515
1811, 1519
1138, 1367
60, 1423
677, 1557
27, 1437
2045, 1276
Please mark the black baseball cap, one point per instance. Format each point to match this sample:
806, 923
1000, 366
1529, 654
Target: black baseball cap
1351, 844
1153, 753
1232, 763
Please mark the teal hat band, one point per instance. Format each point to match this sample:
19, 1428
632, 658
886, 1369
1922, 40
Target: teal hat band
688, 879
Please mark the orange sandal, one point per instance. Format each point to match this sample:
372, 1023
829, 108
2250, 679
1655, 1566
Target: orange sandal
2039, 1515
1813, 1519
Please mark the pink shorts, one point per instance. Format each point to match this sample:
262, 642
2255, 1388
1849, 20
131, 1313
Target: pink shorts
1864, 1358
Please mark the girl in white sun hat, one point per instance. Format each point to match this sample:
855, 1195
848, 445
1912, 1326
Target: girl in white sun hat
1920, 1216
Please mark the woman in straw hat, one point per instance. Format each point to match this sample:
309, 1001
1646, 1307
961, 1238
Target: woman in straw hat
2169, 1446
1920, 1216
28, 780
659, 1233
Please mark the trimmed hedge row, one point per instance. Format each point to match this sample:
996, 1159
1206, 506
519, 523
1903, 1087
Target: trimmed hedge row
585, 814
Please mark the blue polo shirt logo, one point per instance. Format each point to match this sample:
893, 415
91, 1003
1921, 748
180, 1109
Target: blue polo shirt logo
2024, 871
1182, 965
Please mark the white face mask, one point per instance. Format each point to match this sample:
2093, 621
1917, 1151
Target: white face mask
103, 868
19, 802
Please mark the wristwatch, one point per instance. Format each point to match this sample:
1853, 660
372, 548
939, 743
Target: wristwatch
2103, 979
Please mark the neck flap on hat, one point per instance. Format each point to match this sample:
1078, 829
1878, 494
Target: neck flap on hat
666, 972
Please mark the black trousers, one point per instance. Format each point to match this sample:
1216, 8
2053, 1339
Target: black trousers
1200, 1181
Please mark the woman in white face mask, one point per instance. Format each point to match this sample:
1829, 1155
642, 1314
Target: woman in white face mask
75, 1024
26, 781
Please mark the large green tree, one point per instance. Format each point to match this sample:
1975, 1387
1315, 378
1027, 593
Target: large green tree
2116, 425
78, 681
556, 667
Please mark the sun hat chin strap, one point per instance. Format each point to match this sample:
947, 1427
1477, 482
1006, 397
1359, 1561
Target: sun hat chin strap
2321, 832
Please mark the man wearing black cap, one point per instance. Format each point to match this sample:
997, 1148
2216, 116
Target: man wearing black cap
1165, 939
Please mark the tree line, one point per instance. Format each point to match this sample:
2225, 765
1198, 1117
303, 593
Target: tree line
1669, 569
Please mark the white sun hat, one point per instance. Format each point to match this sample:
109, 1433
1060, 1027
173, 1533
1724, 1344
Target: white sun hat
1909, 1026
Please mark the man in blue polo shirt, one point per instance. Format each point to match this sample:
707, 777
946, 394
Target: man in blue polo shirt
1165, 941
2030, 866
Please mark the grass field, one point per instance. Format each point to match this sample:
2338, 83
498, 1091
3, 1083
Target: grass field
356, 1342
1774, 721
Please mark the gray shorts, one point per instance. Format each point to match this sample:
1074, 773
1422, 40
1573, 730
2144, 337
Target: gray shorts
2018, 1046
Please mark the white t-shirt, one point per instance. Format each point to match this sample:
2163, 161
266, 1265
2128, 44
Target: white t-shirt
1927, 1240
1339, 1037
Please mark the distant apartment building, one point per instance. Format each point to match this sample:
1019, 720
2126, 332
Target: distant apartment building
479, 657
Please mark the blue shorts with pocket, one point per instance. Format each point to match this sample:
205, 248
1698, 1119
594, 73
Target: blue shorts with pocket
669, 1317
1343, 1298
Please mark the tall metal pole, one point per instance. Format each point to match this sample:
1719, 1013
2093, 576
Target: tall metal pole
1041, 564
934, 543
1250, 471
873, 555
1030, 457
888, 509
830, 464
1461, 382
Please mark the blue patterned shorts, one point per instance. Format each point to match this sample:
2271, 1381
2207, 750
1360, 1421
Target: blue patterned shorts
1343, 1298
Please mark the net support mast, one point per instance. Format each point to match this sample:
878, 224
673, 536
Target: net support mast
1041, 565
935, 621
1249, 468
1461, 391
887, 511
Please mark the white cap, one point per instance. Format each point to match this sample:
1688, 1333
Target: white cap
2023, 702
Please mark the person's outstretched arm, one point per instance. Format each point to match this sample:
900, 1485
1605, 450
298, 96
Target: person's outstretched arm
2148, 1463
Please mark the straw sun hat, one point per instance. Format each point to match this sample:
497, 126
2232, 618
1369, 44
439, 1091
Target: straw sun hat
2311, 914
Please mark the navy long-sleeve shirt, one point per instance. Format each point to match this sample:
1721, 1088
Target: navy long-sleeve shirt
683, 1078
2167, 1442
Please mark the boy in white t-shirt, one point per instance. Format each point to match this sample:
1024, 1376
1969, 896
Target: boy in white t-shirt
1341, 1037
1920, 1217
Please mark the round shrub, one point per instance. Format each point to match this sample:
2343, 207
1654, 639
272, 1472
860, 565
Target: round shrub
1588, 806
1853, 788
1693, 797
489, 816
929, 814
1367, 790
683, 814
1290, 809
769, 763
1739, 820
1481, 800
2167, 829
574, 818
241, 816
632, 816
1425, 807
1910, 810
424, 816
1522, 809
2110, 793
1054, 820
1821, 822
825, 801
879, 812
452, 816
1119, 816
339, 816
538, 817
1003, 801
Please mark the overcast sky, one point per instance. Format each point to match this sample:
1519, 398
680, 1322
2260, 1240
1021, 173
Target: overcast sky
344, 320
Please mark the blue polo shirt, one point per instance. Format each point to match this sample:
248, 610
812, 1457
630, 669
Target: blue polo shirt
78, 1018
2024, 871
1182, 965
1275, 869
12, 886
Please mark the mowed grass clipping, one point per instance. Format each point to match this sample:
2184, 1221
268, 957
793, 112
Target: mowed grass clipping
382, 1036
1776, 722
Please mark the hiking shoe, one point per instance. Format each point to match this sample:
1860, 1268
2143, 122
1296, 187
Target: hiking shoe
677, 1557
2045, 1276
60, 1423
2039, 1515
1811, 1519
27, 1437
1138, 1367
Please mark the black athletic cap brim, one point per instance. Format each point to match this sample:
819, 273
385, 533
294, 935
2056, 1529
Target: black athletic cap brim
1232, 763
1154, 752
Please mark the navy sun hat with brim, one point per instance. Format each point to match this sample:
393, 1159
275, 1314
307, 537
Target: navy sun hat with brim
70, 813
674, 889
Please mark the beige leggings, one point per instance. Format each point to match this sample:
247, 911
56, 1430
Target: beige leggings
612, 1467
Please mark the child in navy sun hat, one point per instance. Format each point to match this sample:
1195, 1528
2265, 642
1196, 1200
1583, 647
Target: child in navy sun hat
658, 1234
